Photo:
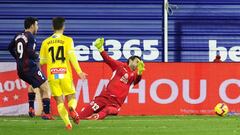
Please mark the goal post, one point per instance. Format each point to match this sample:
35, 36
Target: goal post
165, 30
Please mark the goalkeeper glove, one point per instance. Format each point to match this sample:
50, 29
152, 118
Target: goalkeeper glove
99, 44
140, 67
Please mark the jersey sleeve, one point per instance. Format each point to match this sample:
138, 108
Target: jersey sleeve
113, 64
31, 49
11, 48
73, 57
43, 54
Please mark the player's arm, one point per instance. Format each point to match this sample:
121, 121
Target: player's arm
43, 54
74, 61
31, 50
137, 79
11, 49
111, 62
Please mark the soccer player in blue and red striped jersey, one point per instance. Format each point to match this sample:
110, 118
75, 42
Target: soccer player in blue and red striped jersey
22, 48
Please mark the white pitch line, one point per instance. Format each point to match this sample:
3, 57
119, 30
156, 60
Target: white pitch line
6, 120
124, 127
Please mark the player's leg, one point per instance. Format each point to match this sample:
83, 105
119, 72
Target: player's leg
88, 112
111, 108
63, 112
31, 94
31, 99
45, 94
108, 110
72, 104
40, 81
57, 94
69, 91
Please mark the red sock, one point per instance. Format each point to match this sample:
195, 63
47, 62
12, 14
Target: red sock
86, 112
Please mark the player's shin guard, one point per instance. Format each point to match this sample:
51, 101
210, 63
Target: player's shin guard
72, 103
46, 105
31, 99
63, 114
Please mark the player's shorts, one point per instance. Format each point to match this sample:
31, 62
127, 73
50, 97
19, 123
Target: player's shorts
100, 102
61, 87
35, 78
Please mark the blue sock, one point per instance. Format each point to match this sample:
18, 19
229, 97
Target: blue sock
46, 105
31, 99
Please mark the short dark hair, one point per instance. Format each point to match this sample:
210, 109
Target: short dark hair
58, 23
133, 58
29, 21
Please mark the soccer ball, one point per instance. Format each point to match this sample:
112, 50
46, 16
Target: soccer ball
221, 109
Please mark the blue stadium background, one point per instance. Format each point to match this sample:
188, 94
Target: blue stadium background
191, 25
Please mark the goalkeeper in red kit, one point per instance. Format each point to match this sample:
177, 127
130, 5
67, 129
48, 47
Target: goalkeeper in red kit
125, 76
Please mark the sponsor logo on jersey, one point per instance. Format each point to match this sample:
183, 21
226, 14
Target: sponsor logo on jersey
58, 70
124, 78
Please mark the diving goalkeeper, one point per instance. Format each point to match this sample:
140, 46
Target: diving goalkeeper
125, 76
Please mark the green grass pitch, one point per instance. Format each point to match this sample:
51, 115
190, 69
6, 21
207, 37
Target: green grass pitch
125, 125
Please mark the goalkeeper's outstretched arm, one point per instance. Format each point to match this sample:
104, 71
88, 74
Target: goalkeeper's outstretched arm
111, 62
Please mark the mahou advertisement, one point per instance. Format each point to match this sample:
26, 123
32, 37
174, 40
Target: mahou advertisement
165, 89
